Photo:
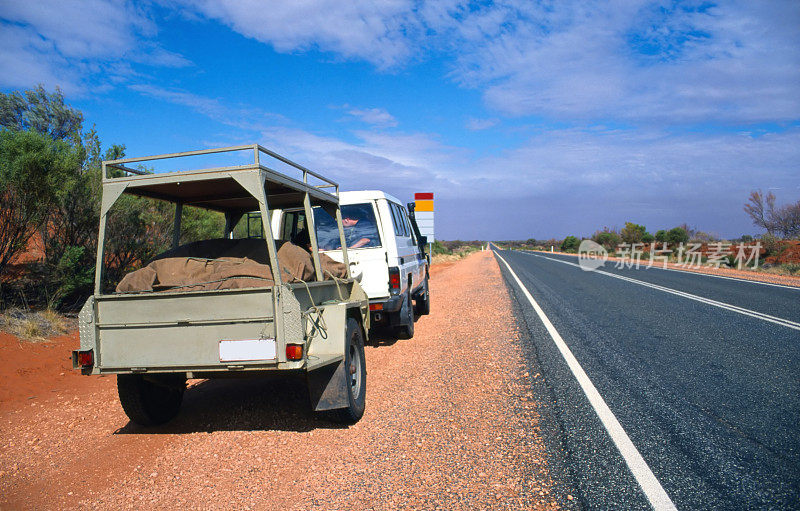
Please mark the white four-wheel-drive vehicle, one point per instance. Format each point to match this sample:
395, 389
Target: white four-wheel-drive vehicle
384, 248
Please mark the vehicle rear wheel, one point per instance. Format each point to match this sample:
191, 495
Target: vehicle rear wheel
356, 371
406, 328
423, 303
147, 402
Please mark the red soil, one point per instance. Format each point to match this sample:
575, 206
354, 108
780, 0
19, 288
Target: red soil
36, 371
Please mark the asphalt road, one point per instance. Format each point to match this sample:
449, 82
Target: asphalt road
708, 395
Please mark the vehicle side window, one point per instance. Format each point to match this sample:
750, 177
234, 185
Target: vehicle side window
360, 227
408, 226
293, 222
398, 229
249, 227
398, 211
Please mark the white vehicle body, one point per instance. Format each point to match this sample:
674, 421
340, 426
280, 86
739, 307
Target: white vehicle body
392, 265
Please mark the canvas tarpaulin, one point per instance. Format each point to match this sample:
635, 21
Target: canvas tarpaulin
225, 264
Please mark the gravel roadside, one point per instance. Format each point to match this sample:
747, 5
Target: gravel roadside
451, 423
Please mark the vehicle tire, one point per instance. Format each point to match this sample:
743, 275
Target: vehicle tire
406, 328
423, 302
148, 403
356, 369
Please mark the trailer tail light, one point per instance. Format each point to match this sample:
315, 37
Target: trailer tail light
294, 352
394, 279
376, 306
84, 358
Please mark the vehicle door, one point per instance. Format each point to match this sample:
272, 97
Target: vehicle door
405, 247
365, 244
417, 253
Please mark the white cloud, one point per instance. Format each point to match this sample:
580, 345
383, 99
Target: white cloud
579, 60
23, 62
562, 182
397, 163
370, 30
77, 45
642, 62
244, 117
374, 116
557, 182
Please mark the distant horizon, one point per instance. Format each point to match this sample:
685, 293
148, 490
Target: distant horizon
523, 118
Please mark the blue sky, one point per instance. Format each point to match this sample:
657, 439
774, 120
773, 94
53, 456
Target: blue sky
526, 119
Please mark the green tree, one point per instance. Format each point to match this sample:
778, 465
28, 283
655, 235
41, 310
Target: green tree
200, 224
32, 167
43, 112
570, 244
608, 238
632, 233
69, 230
51, 183
661, 235
648, 238
677, 235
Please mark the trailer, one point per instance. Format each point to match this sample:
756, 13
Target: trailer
154, 340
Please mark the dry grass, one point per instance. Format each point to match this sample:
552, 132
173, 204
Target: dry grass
782, 269
33, 326
444, 258
458, 254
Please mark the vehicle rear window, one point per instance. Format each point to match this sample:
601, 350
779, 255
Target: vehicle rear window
360, 227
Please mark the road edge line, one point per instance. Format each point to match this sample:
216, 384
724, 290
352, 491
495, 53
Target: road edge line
788, 323
648, 482
678, 270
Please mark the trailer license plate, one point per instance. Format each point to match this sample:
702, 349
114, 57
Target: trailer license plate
247, 349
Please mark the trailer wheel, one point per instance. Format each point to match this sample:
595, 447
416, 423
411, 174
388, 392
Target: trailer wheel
149, 403
406, 328
356, 370
423, 303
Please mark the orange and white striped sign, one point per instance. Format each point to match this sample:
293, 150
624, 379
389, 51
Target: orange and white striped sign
423, 212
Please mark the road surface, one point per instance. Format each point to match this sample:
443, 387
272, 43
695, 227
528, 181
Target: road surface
671, 388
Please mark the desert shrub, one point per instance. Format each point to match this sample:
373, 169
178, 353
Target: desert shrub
201, 224
632, 233
570, 244
704, 237
676, 236
74, 278
438, 248
607, 238
33, 325
32, 168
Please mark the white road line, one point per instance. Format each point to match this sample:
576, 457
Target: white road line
793, 288
652, 489
734, 308
657, 267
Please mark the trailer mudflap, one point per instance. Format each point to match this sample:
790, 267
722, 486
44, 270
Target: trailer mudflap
327, 387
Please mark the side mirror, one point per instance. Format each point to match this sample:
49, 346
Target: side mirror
423, 240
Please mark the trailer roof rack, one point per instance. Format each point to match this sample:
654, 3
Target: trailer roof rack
222, 188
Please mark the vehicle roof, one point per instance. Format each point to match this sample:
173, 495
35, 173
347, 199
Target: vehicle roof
219, 188
356, 196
